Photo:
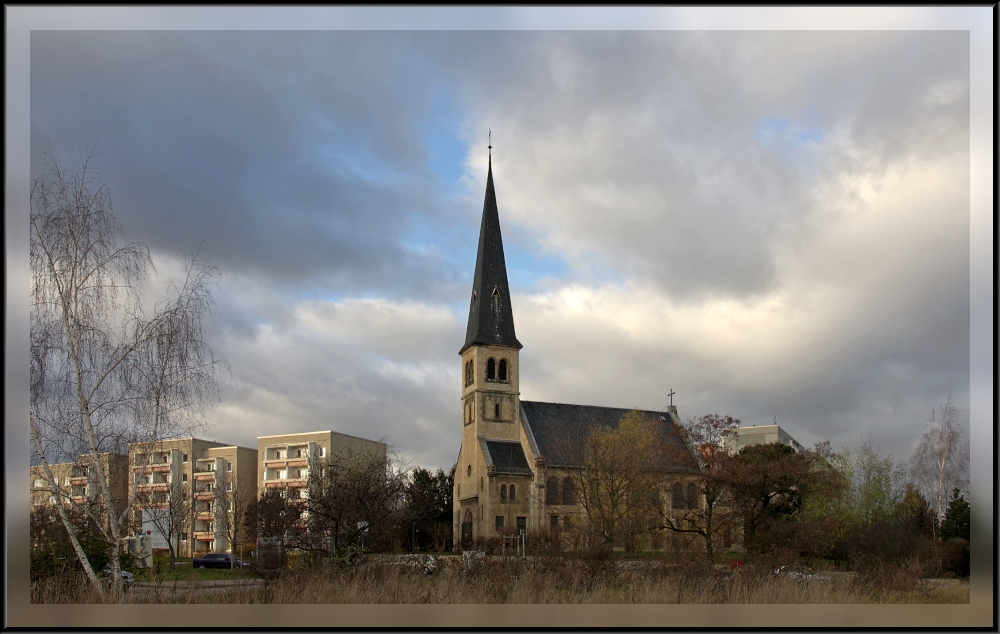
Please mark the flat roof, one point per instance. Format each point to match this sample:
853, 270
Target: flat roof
322, 431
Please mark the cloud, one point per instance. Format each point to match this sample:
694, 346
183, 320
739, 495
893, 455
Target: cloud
771, 223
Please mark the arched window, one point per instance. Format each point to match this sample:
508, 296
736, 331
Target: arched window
692, 499
513, 494
503, 370
677, 500
468, 373
503, 493
552, 491
468, 471
491, 370
568, 492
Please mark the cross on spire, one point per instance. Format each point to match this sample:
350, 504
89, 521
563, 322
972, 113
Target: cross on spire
671, 395
489, 137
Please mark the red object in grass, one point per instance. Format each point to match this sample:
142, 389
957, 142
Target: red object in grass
736, 563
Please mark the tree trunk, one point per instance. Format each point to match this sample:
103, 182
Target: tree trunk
70, 529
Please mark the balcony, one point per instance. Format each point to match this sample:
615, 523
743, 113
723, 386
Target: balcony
298, 462
78, 480
156, 467
154, 486
205, 516
293, 483
204, 475
204, 536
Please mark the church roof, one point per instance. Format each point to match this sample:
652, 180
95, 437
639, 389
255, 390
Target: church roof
558, 428
491, 320
507, 457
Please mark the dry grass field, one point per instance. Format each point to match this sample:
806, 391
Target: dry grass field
539, 581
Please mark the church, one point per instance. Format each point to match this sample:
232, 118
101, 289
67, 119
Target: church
516, 456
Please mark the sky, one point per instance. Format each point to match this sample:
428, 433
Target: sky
772, 224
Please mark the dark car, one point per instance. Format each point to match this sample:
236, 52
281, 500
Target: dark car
219, 560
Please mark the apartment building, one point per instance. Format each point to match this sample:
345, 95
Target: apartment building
759, 435
192, 491
286, 461
77, 483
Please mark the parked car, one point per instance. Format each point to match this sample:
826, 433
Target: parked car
127, 577
219, 560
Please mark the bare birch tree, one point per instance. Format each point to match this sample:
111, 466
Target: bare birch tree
103, 374
941, 460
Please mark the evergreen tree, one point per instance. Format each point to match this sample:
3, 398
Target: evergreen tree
956, 520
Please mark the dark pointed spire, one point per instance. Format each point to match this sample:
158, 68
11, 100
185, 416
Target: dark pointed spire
491, 320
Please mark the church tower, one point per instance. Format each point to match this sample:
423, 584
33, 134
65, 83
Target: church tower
490, 353
490, 372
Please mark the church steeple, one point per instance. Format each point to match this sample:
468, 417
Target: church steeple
491, 320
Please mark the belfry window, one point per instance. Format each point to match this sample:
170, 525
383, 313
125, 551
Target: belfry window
491, 370
513, 494
503, 370
496, 410
503, 493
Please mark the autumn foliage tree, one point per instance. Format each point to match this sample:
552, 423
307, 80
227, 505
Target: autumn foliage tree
621, 476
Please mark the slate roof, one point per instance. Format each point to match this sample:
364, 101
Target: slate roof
556, 425
491, 320
507, 457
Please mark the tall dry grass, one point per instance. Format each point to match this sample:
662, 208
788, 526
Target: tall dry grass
548, 580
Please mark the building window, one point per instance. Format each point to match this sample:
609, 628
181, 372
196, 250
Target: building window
554, 521
522, 524
499, 523
513, 494
503, 370
468, 471
229, 466
184, 477
692, 496
552, 491
480, 483
184, 537
184, 457
496, 410
677, 496
503, 493
322, 452
568, 492
229, 486
491, 370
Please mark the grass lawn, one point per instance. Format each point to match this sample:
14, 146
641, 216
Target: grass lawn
182, 570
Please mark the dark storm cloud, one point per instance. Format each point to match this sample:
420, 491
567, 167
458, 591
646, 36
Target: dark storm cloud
293, 155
